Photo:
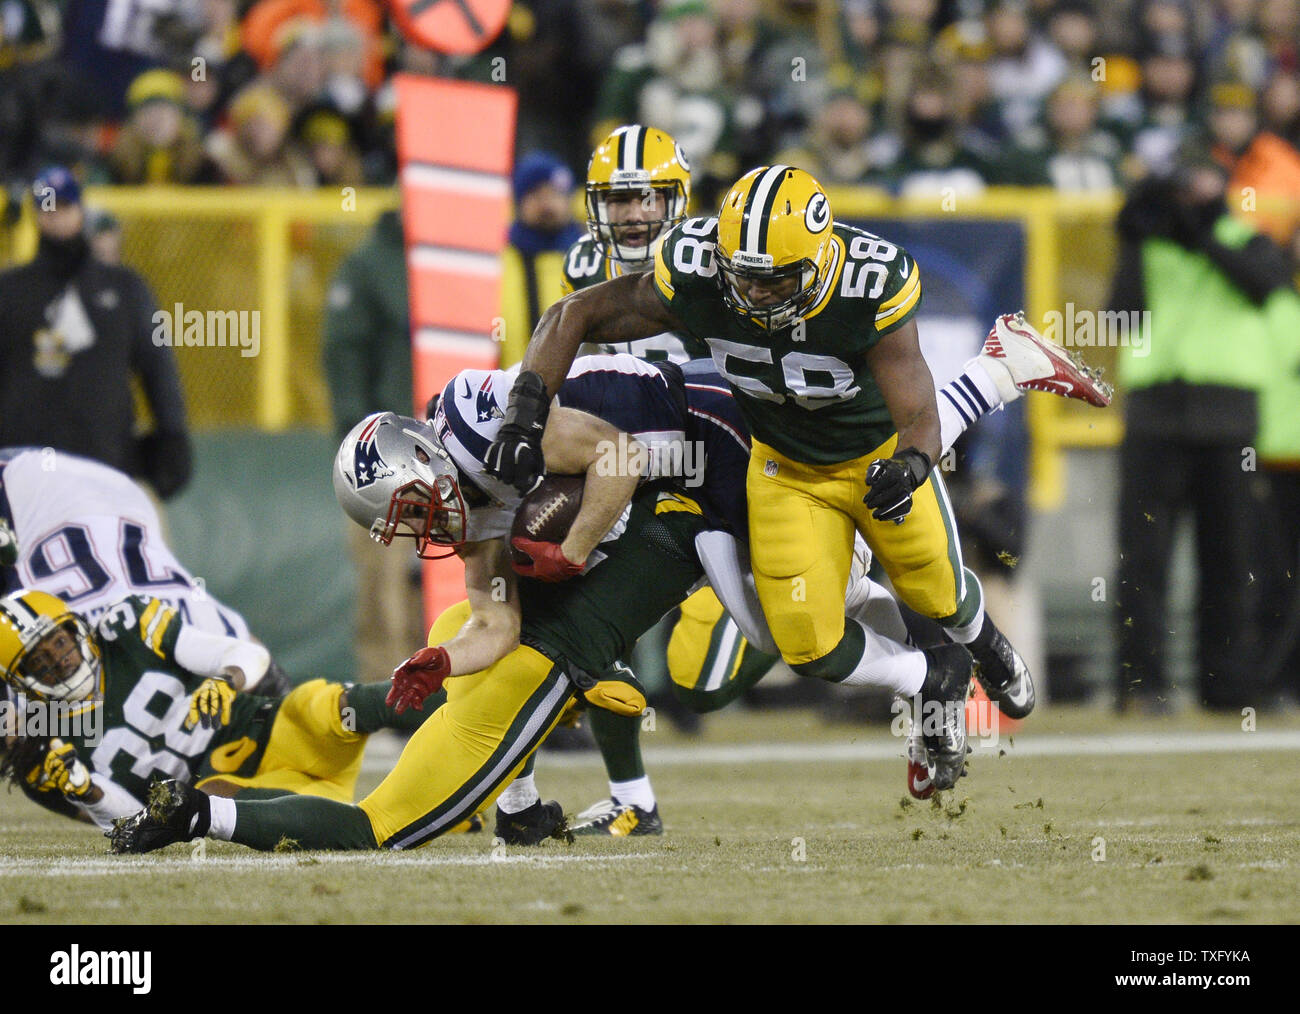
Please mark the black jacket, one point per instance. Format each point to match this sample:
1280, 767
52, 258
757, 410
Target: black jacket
70, 387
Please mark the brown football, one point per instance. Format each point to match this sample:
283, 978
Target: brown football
548, 511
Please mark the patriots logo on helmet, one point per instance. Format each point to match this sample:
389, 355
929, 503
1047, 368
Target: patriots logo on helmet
367, 465
485, 405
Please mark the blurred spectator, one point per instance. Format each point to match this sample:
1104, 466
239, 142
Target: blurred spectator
675, 81
1191, 411
1279, 29
978, 112
1072, 29
839, 147
556, 59
257, 149
1279, 459
1266, 187
30, 80
533, 263
1280, 107
73, 334
217, 68
1069, 152
1165, 26
46, 117
160, 143
1234, 49
1232, 122
343, 61
934, 161
106, 46
104, 232
326, 137
1168, 85
1025, 66
791, 63
272, 28
297, 68
367, 356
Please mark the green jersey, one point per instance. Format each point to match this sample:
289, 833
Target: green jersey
586, 264
136, 732
805, 389
595, 619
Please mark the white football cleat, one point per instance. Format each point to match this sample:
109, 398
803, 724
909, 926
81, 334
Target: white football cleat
1036, 364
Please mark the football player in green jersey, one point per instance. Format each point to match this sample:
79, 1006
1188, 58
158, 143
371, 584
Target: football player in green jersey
144, 695
638, 188
811, 322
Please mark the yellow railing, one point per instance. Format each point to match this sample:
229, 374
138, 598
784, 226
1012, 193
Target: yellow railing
276, 252
226, 249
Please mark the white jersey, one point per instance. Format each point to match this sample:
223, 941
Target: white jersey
473, 405
90, 536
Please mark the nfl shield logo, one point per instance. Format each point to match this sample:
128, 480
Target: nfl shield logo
770, 469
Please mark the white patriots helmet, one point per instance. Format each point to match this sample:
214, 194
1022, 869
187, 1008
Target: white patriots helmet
393, 477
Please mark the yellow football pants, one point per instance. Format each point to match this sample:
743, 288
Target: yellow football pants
472, 747
801, 528
705, 649
309, 751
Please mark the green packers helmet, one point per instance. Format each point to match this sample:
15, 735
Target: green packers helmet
636, 160
46, 650
774, 244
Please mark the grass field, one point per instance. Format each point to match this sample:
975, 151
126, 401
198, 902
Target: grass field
774, 817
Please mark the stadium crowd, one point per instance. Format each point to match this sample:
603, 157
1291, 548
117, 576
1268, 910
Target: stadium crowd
905, 95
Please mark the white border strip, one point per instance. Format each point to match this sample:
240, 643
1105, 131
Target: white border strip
462, 181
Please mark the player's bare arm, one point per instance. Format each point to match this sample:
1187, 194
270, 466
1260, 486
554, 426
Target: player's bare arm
905, 381
492, 631
621, 309
575, 443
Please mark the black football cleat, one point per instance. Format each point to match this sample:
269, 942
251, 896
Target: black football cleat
1002, 672
943, 711
618, 820
176, 812
533, 825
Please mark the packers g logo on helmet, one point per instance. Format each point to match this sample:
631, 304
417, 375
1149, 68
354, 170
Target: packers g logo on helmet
46, 650
774, 244
634, 165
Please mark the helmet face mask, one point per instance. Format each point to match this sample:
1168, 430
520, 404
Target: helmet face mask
769, 296
394, 478
433, 515
774, 245
49, 652
638, 186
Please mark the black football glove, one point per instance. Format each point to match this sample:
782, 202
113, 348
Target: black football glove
892, 482
515, 456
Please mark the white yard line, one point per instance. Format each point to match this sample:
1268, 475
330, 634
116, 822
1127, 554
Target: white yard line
382, 751
17, 867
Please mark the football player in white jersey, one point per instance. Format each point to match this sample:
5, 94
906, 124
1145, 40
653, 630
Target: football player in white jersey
90, 536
